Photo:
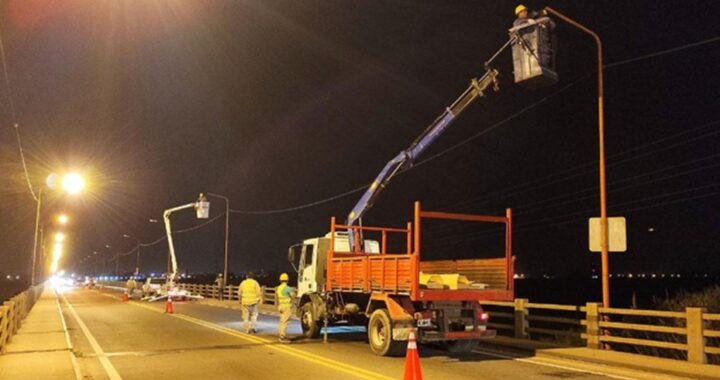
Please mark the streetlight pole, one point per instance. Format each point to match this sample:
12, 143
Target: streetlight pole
137, 260
117, 262
605, 259
71, 183
35, 240
227, 232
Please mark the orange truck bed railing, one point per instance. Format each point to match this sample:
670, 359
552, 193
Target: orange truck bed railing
399, 273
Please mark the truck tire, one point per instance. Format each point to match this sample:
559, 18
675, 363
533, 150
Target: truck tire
461, 346
309, 321
380, 335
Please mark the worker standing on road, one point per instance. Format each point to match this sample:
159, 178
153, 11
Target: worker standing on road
284, 295
250, 296
130, 285
146, 289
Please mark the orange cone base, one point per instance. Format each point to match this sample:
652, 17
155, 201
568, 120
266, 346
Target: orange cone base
412, 361
169, 306
125, 297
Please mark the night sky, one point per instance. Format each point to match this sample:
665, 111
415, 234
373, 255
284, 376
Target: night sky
278, 104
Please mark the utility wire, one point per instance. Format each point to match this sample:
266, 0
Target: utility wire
193, 228
613, 160
662, 52
481, 133
14, 117
300, 207
428, 159
558, 219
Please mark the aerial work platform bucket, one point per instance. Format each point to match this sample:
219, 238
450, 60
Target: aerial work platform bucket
534, 53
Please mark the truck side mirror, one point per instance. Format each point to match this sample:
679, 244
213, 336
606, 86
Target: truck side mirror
291, 258
291, 255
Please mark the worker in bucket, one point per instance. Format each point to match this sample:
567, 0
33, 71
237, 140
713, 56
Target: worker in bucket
250, 296
284, 296
522, 14
544, 48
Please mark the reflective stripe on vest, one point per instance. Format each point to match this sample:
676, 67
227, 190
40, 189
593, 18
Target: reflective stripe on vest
281, 299
249, 292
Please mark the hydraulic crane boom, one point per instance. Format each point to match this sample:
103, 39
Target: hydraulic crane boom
408, 156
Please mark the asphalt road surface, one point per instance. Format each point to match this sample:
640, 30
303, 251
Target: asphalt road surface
137, 340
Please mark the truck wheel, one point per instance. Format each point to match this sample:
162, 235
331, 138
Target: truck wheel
309, 322
461, 346
380, 335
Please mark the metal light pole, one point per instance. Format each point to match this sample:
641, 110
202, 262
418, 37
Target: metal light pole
72, 183
137, 259
35, 239
105, 257
227, 232
605, 259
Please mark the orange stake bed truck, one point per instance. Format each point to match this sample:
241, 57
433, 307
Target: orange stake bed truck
393, 294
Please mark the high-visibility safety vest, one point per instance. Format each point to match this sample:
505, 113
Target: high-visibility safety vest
249, 292
282, 300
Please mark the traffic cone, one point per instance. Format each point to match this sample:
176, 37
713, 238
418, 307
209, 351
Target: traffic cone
125, 297
169, 306
412, 361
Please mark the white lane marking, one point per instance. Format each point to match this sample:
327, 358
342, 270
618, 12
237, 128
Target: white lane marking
73, 359
109, 368
548, 363
317, 359
537, 362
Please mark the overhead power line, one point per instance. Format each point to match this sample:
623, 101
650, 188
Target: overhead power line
11, 102
485, 131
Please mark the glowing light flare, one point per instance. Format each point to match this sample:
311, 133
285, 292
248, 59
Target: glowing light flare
73, 183
59, 237
63, 219
57, 251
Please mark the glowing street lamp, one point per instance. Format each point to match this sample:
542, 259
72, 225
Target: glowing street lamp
63, 219
72, 183
59, 237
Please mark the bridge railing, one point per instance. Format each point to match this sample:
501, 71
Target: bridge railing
692, 334
229, 293
12, 313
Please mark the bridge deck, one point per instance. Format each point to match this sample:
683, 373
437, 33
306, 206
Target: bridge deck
115, 340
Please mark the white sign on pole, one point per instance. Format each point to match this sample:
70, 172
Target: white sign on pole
617, 235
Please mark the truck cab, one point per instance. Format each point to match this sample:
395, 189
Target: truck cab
309, 259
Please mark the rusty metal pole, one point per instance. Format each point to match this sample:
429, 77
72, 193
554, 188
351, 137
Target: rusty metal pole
605, 259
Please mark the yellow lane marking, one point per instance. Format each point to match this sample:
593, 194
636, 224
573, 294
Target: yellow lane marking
109, 368
317, 359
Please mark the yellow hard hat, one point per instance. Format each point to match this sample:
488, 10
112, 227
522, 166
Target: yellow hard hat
284, 277
519, 9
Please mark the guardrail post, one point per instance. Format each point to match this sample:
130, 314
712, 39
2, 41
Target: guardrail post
4, 333
521, 320
592, 319
695, 339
